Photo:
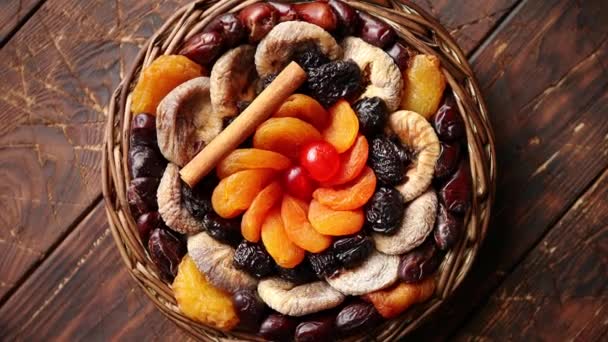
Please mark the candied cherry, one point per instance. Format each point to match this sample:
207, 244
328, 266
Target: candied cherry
298, 183
320, 159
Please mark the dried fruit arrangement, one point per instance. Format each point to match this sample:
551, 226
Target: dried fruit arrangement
337, 211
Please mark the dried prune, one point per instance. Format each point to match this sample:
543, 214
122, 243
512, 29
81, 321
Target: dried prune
229, 26
372, 114
348, 20
447, 228
166, 251
277, 327
253, 259
333, 81
310, 57
249, 307
356, 317
197, 200
145, 160
448, 160
141, 195
447, 122
376, 31
405, 154
264, 82
300, 274
385, 160
143, 130
241, 106
148, 222
420, 263
223, 230
384, 211
352, 250
316, 329
324, 264
455, 194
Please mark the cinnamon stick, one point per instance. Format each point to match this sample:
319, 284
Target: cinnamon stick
262, 107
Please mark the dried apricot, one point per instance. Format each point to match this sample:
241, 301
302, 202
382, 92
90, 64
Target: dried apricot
334, 222
352, 162
285, 135
255, 215
234, 194
395, 300
201, 301
251, 158
284, 252
424, 85
298, 228
349, 196
159, 78
305, 108
343, 126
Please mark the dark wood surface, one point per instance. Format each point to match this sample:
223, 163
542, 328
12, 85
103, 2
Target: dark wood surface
541, 275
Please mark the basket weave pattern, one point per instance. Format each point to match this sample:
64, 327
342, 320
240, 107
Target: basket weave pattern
416, 28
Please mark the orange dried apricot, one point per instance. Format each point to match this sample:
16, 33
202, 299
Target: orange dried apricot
285, 135
343, 126
327, 221
305, 108
159, 78
298, 228
352, 162
424, 84
251, 158
198, 299
251, 224
395, 300
349, 196
284, 252
234, 194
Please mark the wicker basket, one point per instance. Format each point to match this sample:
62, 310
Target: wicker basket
415, 27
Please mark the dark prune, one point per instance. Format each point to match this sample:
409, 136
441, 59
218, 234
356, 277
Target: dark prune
384, 211
405, 154
143, 130
148, 222
420, 263
310, 56
372, 114
324, 264
277, 327
141, 195
455, 194
145, 160
333, 81
300, 274
448, 160
204, 47
352, 250
241, 106
259, 19
318, 13
447, 228
166, 251
385, 160
264, 82
250, 309
376, 31
316, 329
253, 259
197, 200
356, 317
224, 230
400, 54
348, 20
286, 11
447, 122
229, 26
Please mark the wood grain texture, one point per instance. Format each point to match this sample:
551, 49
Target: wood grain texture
559, 292
12, 13
548, 102
83, 292
56, 77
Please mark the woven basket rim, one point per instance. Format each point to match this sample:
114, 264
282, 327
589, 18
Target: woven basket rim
414, 26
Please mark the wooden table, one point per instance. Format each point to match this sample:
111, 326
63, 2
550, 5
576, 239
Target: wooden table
541, 275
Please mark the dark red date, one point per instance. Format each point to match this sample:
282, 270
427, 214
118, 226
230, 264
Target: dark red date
141, 195
400, 54
447, 122
249, 308
277, 327
455, 194
229, 27
348, 20
376, 31
204, 48
148, 222
286, 11
166, 251
318, 13
356, 317
420, 263
448, 228
448, 160
319, 329
259, 19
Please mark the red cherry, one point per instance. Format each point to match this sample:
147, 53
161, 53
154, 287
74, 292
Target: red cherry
320, 159
297, 182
